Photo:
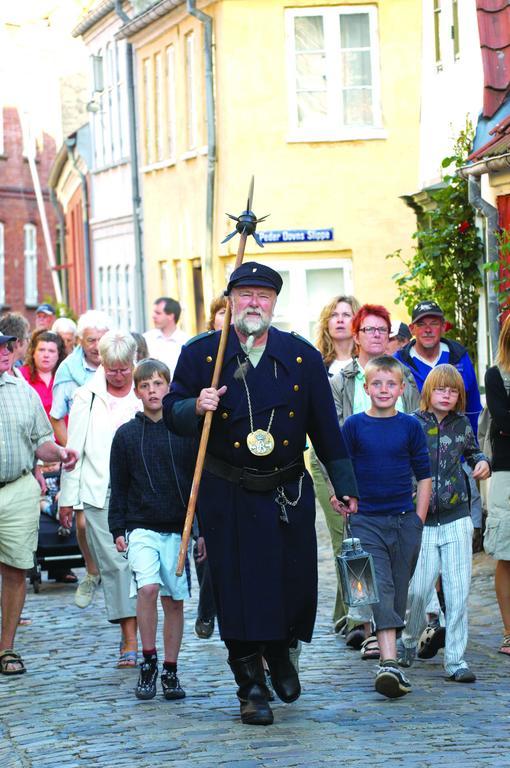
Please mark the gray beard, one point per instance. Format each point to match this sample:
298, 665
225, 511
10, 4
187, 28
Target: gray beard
247, 329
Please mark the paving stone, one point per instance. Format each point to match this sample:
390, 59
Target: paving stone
74, 709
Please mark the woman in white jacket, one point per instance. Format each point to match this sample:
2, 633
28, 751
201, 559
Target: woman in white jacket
102, 405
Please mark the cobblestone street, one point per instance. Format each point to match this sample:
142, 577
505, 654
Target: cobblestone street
74, 709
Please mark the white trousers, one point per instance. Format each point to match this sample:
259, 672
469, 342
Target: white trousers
446, 550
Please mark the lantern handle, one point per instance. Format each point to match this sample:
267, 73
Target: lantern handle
348, 525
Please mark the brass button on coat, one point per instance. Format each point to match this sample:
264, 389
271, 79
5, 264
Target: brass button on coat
208, 359
291, 414
285, 443
296, 387
299, 359
224, 415
237, 445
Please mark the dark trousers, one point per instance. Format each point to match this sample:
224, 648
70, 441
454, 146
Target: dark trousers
394, 542
206, 607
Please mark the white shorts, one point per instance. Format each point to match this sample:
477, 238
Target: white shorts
152, 558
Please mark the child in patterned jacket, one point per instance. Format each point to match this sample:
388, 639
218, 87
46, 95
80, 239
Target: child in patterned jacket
446, 547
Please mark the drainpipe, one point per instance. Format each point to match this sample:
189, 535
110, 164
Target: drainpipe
70, 145
490, 214
135, 181
207, 266
61, 238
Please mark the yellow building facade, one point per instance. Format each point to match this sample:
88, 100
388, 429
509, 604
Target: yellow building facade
320, 101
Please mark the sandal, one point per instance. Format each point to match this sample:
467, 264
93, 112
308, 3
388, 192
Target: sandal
8, 657
370, 648
431, 640
64, 577
505, 646
127, 658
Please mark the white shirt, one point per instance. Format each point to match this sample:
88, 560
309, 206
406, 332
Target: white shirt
166, 348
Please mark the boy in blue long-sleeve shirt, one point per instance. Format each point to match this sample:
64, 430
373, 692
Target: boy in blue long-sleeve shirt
387, 449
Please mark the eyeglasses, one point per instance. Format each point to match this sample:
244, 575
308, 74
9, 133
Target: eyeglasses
446, 390
122, 371
371, 330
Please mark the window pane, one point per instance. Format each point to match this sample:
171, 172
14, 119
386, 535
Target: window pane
309, 33
310, 72
356, 68
354, 30
357, 107
312, 109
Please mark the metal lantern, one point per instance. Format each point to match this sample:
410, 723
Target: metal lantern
357, 576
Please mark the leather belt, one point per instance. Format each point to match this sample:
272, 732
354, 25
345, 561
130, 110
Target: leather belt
254, 479
8, 482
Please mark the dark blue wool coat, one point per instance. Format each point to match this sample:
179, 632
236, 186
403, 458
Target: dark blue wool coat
264, 571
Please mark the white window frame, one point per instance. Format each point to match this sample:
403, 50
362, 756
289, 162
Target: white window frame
191, 98
171, 101
334, 130
2, 265
30, 261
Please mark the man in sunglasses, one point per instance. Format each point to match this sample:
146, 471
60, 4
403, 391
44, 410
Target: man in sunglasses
25, 435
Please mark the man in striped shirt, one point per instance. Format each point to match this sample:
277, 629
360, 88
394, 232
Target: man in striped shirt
25, 436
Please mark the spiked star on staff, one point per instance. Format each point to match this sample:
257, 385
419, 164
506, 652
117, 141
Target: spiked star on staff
246, 222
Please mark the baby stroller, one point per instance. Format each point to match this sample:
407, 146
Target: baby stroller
57, 547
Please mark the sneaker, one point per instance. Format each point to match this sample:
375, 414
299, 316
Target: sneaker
462, 675
171, 686
85, 590
391, 682
204, 628
146, 685
405, 656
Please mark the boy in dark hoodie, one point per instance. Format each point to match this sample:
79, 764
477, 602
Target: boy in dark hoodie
150, 470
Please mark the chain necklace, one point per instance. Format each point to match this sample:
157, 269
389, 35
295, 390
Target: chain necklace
260, 442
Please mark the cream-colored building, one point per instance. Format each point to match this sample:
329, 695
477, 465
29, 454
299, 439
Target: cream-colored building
320, 101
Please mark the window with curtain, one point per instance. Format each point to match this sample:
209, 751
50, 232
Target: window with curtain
148, 112
191, 106
30, 255
170, 102
437, 31
455, 28
2, 266
159, 107
333, 67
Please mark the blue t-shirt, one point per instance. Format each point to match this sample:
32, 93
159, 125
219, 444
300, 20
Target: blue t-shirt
386, 453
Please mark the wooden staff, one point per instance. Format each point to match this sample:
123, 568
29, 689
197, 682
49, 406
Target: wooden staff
246, 226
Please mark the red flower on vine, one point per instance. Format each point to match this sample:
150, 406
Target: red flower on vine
464, 226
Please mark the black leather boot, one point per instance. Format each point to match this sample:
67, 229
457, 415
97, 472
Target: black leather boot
283, 674
252, 691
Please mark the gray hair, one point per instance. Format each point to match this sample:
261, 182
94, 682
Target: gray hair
14, 324
94, 318
117, 347
64, 325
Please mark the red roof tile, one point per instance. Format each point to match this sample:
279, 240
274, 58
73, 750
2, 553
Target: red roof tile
494, 27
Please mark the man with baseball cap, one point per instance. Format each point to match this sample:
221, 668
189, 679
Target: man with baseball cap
429, 348
44, 317
26, 436
256, 503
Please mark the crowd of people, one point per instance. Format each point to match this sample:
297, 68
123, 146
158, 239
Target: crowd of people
390, 414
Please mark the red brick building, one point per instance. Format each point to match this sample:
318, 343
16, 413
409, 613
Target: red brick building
25, 276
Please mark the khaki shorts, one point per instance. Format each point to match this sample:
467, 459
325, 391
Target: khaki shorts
19, 522
497, 533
